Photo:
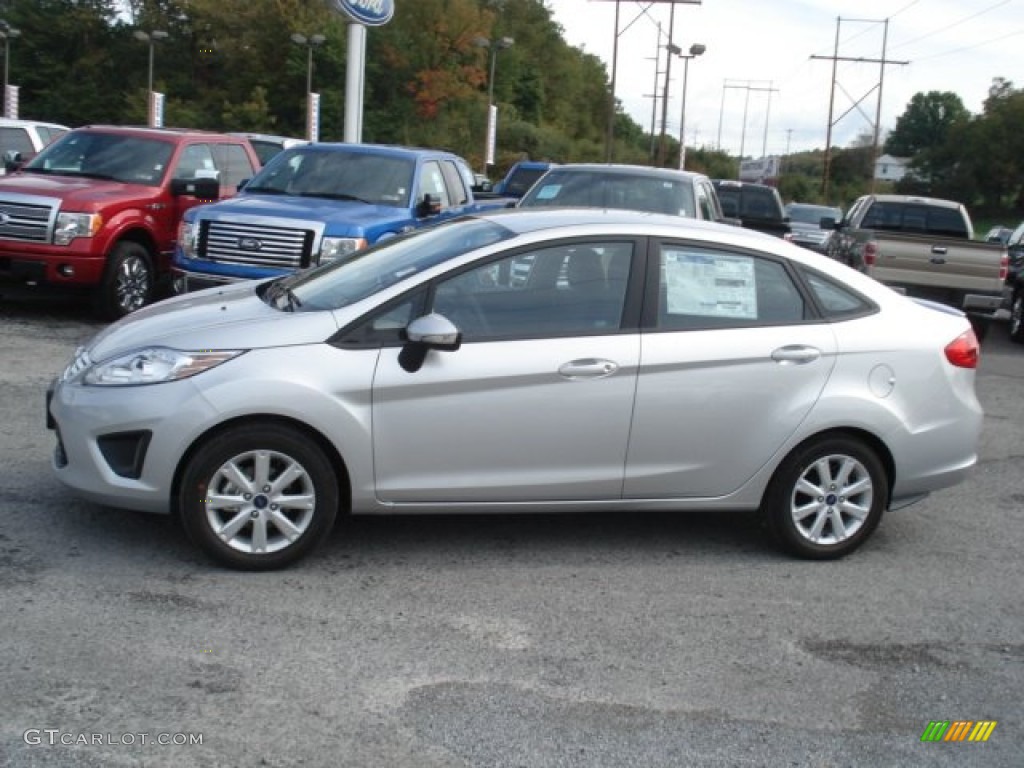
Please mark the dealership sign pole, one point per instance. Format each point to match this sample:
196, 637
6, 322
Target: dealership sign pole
361, 14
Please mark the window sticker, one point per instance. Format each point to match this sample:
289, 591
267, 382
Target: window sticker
549, 192
710, 285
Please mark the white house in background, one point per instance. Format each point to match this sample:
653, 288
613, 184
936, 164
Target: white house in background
889, 168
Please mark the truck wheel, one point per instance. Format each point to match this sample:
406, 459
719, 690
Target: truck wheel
826, 498
127, 281
1017, 317
258, 497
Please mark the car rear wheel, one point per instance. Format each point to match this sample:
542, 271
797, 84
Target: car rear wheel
127, 281
1017, 317
259, 497
827, 497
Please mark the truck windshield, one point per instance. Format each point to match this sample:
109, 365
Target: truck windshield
634, 192
340, 284
376, 179
97, 155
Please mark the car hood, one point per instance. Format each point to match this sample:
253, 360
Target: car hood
343, 212
75, 191
229, 317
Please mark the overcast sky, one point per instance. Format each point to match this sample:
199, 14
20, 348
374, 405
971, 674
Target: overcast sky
758, 60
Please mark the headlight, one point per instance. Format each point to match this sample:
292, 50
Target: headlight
337, 248
188, 237
154, 365
72, 225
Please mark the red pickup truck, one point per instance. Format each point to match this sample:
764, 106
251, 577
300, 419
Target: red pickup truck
98, 209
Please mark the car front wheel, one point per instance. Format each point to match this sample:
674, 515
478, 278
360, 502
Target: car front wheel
259, 497
827, 497
127, 281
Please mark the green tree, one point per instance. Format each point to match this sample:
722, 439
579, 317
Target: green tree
926, 123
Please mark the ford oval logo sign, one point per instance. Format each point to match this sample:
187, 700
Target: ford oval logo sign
372, 13
249, 244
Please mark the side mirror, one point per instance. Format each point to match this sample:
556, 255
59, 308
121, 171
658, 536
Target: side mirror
13, 160
428, 332
828, 223
427, 207
204, 189
241, 185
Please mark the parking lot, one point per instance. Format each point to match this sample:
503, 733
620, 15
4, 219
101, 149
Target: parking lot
596, 640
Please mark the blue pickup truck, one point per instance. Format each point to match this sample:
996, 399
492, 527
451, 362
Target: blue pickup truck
320, 202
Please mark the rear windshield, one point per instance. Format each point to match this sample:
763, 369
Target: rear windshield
915, 218
750, 202
595, 189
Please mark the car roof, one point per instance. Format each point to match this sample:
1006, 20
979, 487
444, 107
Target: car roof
144, 131
284, 141
919, 199
628, 170
392, 150
13, 122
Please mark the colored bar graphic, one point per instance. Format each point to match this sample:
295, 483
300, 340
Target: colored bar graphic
982, 730
959, 730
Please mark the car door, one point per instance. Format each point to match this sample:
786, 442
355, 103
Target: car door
733, 360
537, 402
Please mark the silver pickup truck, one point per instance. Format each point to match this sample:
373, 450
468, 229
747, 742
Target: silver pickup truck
923, 247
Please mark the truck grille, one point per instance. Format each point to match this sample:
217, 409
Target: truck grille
255, 244
27, 218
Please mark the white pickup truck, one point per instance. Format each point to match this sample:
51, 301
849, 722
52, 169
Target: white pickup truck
923, 247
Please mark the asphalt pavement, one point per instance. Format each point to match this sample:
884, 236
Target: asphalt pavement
585, 640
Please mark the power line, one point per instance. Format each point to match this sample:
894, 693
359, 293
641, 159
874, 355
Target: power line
972, 46
953, 24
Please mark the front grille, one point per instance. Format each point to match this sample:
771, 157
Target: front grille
27, 218
255, 244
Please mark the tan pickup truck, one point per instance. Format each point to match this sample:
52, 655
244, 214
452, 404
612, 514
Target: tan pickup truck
923, 247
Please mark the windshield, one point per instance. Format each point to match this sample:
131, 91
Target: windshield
337, 174
340, 284
596, 189
812, 214
113, 156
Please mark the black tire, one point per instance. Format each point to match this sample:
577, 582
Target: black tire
219, 492
1017, 316
127, 283
854, 492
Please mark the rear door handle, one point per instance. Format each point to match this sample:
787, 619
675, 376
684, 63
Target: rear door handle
940, 250
795, 354
587, 368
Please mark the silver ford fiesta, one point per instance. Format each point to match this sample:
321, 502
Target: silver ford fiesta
526, 361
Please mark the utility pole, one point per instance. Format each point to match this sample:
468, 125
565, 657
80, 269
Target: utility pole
670, 49
835, 58
748, 86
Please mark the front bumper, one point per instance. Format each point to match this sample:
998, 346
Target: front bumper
120, 446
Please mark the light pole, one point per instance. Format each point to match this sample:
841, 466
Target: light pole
150, 38
310, 42
494, 47
8, 33
695, 50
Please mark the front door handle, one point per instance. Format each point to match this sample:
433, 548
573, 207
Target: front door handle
795, 354
587, 368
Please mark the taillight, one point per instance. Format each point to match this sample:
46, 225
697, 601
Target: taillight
870, 253
963, 350
1004, 266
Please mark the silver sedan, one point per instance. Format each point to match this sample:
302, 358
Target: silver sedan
526, 361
